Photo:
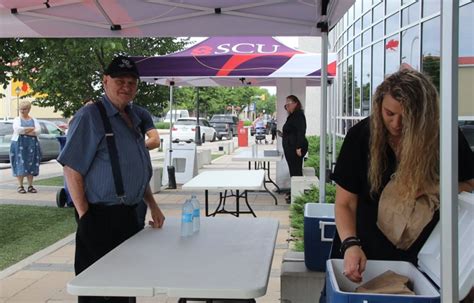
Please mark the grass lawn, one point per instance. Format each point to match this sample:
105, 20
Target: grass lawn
26, 229
215, 156
54, 181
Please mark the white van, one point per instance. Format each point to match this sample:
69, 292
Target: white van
177, 113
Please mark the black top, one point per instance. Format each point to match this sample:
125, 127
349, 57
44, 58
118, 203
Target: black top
351, 173
294, 132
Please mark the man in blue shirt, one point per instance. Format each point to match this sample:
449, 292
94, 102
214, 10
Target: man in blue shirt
105, 218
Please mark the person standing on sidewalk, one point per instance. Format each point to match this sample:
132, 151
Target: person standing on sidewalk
25, 152
107, 168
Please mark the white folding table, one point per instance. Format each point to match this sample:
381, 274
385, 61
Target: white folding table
261, 161
224, 180
228, 258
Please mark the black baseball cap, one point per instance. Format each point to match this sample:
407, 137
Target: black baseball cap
122, 66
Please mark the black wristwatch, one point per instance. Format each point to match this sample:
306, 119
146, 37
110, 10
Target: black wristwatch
348, 242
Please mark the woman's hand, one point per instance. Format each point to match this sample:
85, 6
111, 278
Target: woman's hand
354, 263
299, 152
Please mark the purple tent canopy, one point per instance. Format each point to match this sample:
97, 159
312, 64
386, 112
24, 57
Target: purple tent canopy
234, 61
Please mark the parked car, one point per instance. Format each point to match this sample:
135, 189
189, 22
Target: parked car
49, 143
184, 129
177, 113
225, 125
467, 127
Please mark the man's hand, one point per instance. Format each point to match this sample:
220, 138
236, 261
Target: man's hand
158, 218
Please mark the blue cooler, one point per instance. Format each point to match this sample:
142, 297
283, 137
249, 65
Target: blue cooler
319, 229
340, 290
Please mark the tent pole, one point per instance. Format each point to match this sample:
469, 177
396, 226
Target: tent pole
448, 151
170, 168
324, 78
197, 134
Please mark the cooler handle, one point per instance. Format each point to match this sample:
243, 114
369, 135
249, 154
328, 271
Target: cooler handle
322, 227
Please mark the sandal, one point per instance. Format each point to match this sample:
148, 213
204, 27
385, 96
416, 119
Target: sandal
21, 190
32, 190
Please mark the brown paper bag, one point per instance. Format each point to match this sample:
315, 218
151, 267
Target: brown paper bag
387, 283
402, 221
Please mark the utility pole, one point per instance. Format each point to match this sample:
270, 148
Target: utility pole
18, 91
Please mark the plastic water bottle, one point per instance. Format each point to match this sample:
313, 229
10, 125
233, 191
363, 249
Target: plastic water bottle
187, 219
196, 213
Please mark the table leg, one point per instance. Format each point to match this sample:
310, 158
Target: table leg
206, 199
248, 205
237, 196
270, 179
270, 193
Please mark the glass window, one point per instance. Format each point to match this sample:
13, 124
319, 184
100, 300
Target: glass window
411, 47
366, 75
350, 14
357, 43
366, 38
378, 13
366, 4
431, 7
357, 83
392, 54
377, 31
357, 27
466, 34
392, 24
367, 20
431, 49
350, 33
344, 87
350, 84
377, 69
357, 8
349, 48
411, 14
392, 6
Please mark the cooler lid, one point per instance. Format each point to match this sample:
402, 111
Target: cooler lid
429, 258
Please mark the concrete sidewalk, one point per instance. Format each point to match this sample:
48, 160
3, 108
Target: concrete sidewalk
43, 278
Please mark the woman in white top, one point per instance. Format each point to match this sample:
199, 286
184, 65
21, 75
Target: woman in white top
25, 152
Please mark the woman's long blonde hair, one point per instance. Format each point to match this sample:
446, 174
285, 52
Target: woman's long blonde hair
418, 167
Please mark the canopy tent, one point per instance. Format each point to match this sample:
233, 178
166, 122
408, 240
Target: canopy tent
153, 18
234, 61
173, 18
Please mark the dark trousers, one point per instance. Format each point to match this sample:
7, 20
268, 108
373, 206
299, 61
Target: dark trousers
141, 213
295, 163
99, 231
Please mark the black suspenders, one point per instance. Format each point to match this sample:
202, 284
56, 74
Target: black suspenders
113, 153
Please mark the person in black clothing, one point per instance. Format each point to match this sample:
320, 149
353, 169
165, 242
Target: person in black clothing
294, 140
399, 140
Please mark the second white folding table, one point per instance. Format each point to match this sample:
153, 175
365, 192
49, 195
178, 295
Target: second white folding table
261, 161
239, 181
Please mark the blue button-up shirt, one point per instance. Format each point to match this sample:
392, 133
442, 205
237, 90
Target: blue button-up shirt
86, 152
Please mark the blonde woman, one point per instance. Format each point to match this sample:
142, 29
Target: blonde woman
400, 140
25, 153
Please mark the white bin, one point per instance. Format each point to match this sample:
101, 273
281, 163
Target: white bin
340, 290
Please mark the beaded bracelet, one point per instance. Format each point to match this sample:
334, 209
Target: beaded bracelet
349, 242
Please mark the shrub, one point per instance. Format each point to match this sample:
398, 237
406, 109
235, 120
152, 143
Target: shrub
247, 123
297, 212
162, 125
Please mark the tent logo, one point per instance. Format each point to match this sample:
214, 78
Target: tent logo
239, 48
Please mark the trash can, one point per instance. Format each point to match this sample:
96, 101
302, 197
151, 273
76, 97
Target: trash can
243, 135
62, 196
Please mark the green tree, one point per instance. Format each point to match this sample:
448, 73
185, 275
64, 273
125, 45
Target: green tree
66, 72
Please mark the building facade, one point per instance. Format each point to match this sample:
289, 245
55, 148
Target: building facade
375, 37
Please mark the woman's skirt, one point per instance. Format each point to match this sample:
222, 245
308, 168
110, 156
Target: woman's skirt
25, 156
